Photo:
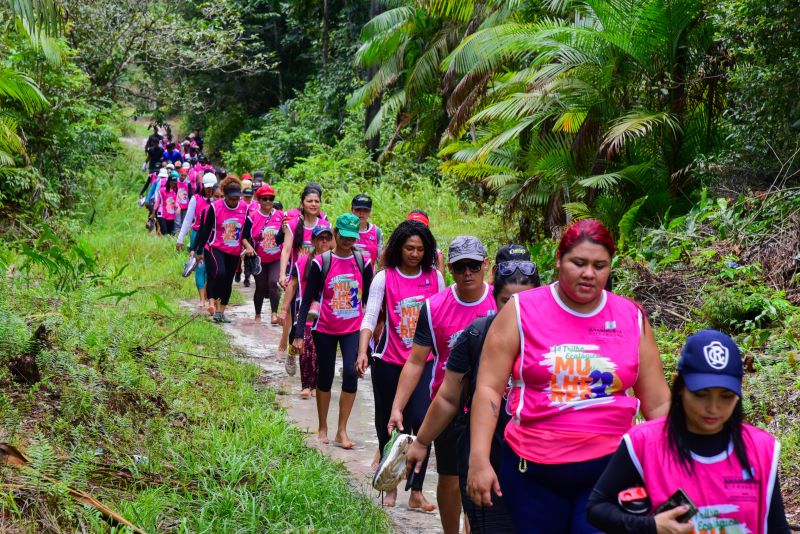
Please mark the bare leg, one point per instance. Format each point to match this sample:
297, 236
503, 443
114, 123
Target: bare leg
323, 403
449, 496
390, 499
346, 401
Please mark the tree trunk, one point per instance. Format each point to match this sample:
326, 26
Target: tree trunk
374, 142
325, 33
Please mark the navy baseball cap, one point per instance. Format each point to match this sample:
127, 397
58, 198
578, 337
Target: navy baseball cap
319, 230
710, 359
512, 252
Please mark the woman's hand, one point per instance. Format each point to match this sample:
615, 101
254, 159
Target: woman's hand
298, 344
178, 246
284, 282
415, 457
667, 522
362, 363
395, 421
248, 250
481, 482
281, 317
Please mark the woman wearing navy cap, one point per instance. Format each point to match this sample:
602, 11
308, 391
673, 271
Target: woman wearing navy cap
727, 468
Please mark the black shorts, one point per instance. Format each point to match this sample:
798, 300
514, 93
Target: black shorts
446, 448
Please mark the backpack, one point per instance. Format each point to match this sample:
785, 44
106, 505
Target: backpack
326, 264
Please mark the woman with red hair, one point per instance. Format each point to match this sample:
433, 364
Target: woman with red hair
573, 351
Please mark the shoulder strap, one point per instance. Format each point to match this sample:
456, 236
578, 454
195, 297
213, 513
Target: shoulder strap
325, 263
359, 261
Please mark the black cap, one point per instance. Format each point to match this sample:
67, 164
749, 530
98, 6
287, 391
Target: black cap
248, 191
512, 252
258, 174
361, 201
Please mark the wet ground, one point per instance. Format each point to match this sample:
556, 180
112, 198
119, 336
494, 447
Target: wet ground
260, 341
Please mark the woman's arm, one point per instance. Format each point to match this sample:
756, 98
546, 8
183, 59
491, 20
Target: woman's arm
247, 238
372, 311
188, 220
651, 386
442, 410
312, 289
497, 358
286, 254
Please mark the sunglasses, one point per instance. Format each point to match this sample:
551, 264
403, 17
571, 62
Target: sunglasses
266, 199
507, 268
462, 266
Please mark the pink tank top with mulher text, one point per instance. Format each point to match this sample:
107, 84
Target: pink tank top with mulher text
405, 297
448, 317
341, 308
183, 194
168, 205
728, 497
227, 235
264, 232
201, 205
367, 243
574, 370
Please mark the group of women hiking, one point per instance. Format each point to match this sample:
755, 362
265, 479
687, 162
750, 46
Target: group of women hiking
528, 394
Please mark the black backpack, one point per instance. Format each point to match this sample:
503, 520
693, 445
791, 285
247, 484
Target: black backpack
326, 263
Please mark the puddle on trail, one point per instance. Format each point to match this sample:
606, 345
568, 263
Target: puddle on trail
260, 342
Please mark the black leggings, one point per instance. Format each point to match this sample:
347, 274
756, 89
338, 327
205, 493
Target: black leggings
385, 377
326, 360
220, 268
267, 286
166, 227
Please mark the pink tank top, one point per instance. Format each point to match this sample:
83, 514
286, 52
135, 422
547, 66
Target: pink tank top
201, 205
169, 203
573, 372
367, 243
405, 297
307, 246
183, 194
227, 235
447, 318
265, 228
727, 497
340, 307
300, 271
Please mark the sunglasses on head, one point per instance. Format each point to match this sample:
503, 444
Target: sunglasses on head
461, 266
507, 268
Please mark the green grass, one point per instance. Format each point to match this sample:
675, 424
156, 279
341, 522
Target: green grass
207, 448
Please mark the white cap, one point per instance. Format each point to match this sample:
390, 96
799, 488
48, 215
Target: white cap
170, 166
163, 173
186, 165
209, 179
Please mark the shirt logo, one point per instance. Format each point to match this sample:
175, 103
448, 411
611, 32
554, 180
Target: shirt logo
611, 325
716, 355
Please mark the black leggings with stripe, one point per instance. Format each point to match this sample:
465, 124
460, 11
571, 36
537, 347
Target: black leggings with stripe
220, 270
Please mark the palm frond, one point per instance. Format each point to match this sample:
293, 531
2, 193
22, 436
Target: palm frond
637, 124
18, 87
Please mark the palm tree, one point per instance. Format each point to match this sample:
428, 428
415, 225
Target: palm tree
39, 22
593, 112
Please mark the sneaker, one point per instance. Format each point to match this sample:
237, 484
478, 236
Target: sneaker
217, 317
393, 466
224, 319
291, 365
189, 266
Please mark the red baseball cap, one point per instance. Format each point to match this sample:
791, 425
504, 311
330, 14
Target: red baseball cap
415, 216
265, 191
246, 176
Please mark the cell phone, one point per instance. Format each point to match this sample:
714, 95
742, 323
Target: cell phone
410, 479
679, 498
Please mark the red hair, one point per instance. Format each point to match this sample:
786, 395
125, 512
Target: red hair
590, 230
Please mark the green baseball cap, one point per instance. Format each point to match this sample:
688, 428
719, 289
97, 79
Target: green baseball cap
348, 225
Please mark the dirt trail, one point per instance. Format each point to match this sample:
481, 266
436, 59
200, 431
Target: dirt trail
260, 342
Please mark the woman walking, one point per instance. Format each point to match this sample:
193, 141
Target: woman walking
297, 230
400, 289
511, 277
322, 238
195, 213
166, 206
225, 231
338, 281
573, 350
266, 226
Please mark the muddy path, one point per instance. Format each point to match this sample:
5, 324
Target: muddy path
260, 342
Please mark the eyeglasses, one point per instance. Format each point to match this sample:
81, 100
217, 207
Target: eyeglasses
462, 266
507, 268
324, 237
266, 199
